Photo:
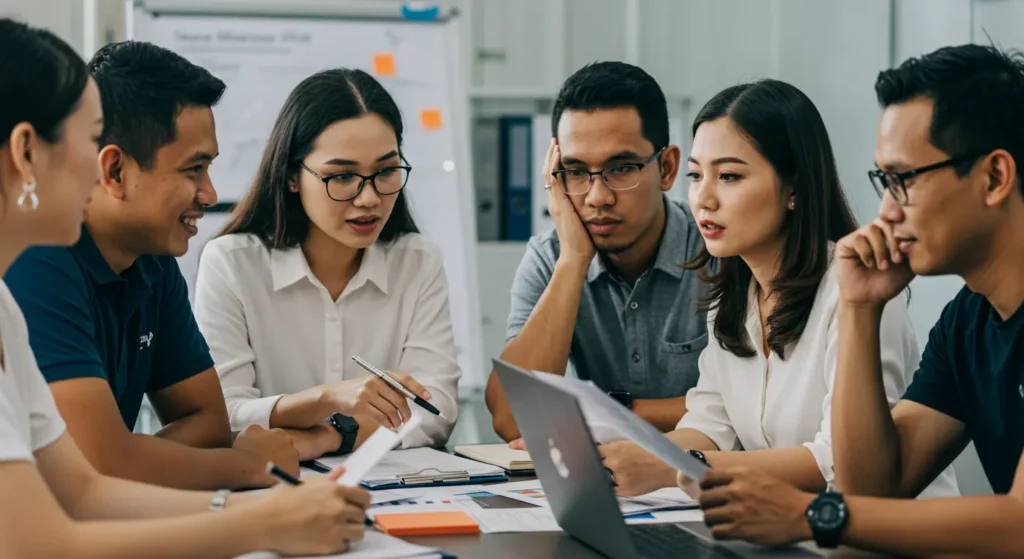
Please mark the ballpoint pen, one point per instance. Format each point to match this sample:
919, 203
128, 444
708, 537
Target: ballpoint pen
397, 386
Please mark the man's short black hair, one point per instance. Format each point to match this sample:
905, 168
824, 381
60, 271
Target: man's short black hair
143, 89
614, 85
978, 93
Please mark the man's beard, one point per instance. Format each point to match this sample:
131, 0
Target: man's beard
611, 250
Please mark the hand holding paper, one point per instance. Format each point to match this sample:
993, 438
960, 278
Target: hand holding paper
374, 449
597, 404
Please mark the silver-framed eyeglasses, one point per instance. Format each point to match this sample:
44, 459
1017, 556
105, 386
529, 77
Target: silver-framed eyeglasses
622, 176
347, 185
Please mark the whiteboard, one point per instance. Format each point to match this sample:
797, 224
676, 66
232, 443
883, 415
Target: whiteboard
263, 56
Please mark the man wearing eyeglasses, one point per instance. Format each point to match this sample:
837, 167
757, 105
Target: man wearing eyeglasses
950, 150
606, 290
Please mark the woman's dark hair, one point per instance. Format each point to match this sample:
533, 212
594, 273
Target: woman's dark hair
270, 210
41, 80
785, 127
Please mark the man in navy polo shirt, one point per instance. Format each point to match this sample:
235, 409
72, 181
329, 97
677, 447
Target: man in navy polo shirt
949, 170
109, 318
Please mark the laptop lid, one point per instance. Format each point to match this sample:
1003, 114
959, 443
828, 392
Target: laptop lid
566, 460
571, 471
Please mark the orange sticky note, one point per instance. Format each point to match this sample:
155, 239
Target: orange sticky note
426, 523
431, 119
384, 64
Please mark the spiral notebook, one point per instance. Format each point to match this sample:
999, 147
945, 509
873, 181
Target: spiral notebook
516, 462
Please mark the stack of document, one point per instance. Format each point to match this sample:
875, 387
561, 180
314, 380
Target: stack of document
418, 467
516, 461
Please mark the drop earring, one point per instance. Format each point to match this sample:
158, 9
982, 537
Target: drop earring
28, 201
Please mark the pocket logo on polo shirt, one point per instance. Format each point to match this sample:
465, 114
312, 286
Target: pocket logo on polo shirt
145, 339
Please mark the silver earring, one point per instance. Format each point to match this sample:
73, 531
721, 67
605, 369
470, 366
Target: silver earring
28, 201
792, 205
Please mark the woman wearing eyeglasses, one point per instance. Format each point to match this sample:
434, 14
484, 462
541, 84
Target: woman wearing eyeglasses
322, 261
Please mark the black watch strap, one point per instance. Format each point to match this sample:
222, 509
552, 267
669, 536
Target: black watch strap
348, 428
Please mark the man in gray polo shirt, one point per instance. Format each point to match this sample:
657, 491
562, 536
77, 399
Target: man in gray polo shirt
606, 289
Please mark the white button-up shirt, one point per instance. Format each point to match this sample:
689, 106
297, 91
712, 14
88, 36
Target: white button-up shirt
759, 403
273, 328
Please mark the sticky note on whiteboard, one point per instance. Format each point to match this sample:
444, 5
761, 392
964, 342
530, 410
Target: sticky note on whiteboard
431, 119
384, 64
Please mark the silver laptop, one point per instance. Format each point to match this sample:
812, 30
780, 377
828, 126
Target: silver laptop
579, 489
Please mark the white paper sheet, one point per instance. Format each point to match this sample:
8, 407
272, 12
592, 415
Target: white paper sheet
670, 498
365, 458
374, 546
501, 521
597, 404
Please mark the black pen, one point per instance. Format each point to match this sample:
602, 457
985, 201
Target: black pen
282, 475
316, 466
397, 386
285, 477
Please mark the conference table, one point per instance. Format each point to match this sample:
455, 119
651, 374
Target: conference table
541, 545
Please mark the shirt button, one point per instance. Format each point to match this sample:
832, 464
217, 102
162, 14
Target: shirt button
634, 305
636, 357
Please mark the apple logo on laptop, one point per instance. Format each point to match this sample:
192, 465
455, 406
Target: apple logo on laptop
556, 459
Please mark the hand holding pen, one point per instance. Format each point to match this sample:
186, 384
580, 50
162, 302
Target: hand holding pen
383, 397
317, 516
405, 386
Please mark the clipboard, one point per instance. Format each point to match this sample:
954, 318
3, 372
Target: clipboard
433, 477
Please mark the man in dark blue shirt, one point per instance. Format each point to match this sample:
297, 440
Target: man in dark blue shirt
949, 158
109, 318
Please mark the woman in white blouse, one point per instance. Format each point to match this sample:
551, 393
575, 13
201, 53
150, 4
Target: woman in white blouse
766, 195
320, 262
53, 503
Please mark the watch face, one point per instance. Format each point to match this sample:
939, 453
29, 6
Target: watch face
827, 514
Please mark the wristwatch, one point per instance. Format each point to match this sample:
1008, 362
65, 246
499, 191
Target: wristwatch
219, 499
699, 456
622, 397
348, 428
827, 516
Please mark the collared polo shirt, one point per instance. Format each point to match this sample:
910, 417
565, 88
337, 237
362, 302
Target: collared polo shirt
134, 330
973, 371
643, 338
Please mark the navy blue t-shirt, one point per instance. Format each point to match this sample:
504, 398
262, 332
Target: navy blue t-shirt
135, 330
973, 370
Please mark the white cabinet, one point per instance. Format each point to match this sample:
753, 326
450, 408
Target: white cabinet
595, 30
516, 45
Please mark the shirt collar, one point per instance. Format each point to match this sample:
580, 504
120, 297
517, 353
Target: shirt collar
288, 266
147, 268
671, 250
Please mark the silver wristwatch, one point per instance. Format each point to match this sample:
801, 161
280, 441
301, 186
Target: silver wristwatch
219, 500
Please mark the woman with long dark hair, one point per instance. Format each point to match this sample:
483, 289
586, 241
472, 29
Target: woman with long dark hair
55, 503
321, 261
766, 195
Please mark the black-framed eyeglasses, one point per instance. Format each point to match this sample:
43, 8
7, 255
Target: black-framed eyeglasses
623, 176
896, 183
345, 186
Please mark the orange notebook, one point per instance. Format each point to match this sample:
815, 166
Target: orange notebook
426, 523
